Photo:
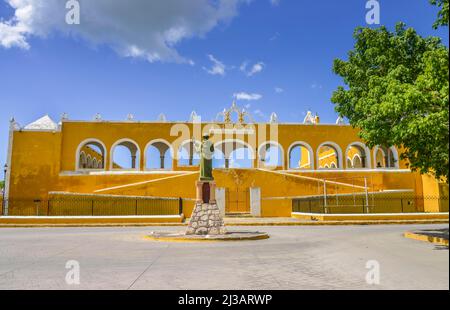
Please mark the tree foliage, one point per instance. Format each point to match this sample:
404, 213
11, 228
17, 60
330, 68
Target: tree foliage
442, 19
397, 94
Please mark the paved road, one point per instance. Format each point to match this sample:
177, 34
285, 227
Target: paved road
299, 257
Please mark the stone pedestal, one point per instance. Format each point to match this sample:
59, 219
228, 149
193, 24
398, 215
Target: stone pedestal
206, 218
206, 192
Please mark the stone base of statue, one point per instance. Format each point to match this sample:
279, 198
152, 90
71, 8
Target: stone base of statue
206, 218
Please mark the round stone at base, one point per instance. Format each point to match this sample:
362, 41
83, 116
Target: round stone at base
229, 236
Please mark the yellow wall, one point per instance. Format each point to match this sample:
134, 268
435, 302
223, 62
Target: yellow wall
431, 190
43, 162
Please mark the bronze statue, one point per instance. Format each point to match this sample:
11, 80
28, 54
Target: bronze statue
206, 150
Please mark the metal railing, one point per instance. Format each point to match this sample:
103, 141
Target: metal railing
370, 204
94, 206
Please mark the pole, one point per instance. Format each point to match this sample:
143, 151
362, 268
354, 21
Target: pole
367, 194
325, 196
4, 190
180, 205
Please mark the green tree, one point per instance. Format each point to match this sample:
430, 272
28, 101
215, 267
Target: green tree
442, 19
397, 94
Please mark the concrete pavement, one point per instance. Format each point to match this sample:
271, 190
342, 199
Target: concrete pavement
295, 257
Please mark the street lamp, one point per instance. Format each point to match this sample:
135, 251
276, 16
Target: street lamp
5, 169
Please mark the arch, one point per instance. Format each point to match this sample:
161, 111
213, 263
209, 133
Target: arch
263, 152
333, 165
164, 148
89, 161
134, 150
94, 163
229, 151
309, 164
363, 153
187, 156
393, 158
385, 158
337, 157
357, 161
83, 160
94, 142
349, 162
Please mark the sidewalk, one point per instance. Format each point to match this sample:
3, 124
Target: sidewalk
96, 221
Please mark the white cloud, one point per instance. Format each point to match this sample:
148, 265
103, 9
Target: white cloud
218, 68
243, 66
256, 68
247, 96
316, 86
143, 29
279, 90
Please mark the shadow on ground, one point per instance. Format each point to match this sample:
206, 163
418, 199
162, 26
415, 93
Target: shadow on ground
435, 233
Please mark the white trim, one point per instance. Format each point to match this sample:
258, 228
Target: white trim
138, 155
338, 151
120, 172
370, 214
151, 144
367, 152
261, 164
187, 123
314, 179
81, 145
311, 154
143, 182
350, 170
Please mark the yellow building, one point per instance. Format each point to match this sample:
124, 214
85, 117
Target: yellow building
262, 169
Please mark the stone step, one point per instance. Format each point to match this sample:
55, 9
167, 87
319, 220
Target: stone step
238, 214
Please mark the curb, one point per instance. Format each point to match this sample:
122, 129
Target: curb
310, 223
430, 239
188, 240
341, 223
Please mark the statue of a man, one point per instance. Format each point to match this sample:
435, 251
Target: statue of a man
206, 150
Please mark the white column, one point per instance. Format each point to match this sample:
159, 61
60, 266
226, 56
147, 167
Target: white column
220, 200
255, 201
8, 162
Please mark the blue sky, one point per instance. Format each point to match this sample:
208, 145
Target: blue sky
292, 43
